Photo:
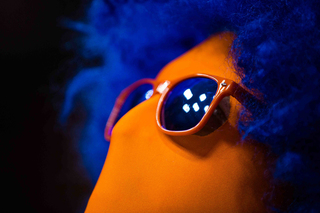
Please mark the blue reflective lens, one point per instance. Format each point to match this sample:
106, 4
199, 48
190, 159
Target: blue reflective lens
139, 95
187, 103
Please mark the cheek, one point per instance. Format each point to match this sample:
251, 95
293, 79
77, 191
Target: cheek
147, 171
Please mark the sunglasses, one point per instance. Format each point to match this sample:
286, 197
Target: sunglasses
185, 104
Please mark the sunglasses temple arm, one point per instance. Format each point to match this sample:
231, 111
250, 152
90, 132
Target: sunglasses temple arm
114, 114
246, 98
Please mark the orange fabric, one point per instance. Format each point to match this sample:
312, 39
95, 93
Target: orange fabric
148, 171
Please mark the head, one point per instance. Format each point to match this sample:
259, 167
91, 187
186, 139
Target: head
147, 170
276, 52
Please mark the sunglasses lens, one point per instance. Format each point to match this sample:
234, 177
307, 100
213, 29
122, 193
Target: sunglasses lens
139, 95
187, 103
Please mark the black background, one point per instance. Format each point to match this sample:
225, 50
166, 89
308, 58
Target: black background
42, 169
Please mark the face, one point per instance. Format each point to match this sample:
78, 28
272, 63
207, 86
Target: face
149, 171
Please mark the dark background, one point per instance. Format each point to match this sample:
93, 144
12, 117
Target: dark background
42, 168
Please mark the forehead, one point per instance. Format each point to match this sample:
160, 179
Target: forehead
209, 57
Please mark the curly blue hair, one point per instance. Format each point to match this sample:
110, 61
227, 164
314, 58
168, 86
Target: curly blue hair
277, 52
279, 45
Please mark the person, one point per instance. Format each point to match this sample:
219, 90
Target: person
257, 155
147, 170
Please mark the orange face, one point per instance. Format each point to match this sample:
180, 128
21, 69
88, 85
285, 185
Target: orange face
149, 171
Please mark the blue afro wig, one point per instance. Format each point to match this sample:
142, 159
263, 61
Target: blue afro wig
277, 50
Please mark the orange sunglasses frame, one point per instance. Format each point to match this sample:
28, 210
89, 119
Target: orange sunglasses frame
226, 87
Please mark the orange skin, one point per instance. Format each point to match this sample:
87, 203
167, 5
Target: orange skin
149, 171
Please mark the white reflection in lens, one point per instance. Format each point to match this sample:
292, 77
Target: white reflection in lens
188, 94
148, 94
206, 108
196, 107
186, 108
202, 97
